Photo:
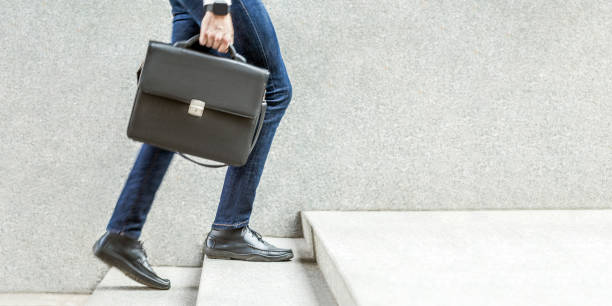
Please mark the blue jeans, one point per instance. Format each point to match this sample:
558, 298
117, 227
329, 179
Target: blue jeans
255, 39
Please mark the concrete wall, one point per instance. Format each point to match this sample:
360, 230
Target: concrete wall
397, 105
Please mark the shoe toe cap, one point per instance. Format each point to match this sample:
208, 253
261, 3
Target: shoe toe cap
281, 252
163, 283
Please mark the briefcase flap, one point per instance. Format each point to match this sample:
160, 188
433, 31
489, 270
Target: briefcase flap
223, 84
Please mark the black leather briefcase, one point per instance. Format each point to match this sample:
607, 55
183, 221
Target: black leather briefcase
195, 103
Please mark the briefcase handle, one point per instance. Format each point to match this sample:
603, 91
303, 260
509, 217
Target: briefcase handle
191, 41
188, 43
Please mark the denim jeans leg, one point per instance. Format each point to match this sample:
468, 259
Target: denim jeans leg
138, 193
255, 38
139, 190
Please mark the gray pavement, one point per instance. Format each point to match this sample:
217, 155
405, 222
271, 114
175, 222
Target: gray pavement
43, 299
466, 258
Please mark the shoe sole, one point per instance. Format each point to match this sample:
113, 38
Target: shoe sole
127, 269
219, 254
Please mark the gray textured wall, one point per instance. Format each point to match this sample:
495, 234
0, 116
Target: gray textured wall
397, 105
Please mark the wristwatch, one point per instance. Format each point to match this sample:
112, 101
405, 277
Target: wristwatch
217, 7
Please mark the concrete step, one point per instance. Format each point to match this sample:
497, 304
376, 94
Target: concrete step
116, 289
534, 257
43, 299
295, 282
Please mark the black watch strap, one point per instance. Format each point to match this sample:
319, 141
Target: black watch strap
218, 8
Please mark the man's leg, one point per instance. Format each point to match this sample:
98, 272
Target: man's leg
119, 246
255, 39
139, 190
152, 162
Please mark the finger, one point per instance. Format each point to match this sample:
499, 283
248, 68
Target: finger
203, 36
223, 48
209, 38
225, 43
217, 41
204, 28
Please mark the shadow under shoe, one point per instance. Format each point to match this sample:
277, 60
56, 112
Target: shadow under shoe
128, 255
242, 244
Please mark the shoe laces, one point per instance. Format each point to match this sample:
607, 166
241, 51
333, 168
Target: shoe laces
141, 247
258, 235
145, 259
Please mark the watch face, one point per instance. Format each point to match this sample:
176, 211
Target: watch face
220, 8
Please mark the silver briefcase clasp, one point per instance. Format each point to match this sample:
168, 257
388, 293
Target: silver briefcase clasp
196, 107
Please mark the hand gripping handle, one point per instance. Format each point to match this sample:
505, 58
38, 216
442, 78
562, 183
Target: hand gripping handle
191, 41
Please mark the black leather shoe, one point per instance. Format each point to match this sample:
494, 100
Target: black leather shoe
128, 255
244, 244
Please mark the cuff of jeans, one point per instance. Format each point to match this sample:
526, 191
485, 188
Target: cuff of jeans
229, 2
